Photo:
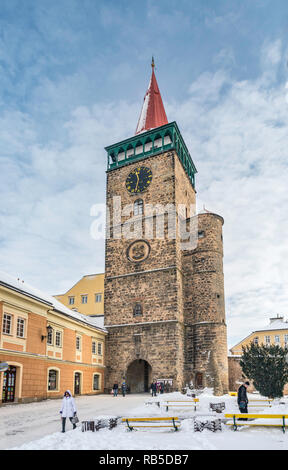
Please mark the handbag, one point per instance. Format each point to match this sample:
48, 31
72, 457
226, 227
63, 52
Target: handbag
242, 405
75, 419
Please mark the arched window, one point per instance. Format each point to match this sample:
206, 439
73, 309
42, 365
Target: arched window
137, 310
121, 155
138, 207
53, 379
157, 141
130, 151
148, 145
139, 148
167, 138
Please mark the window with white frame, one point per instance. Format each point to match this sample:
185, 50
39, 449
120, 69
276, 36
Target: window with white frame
256, 340
78, 343
20, 327
53, 378
7, 324
98, 298
277, 339
71, 300
100, 349
93, 347
84, 299
50, 337
58, 338
267, 340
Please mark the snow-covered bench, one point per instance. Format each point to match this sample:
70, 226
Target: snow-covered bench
254, 403
181, 403
155, 422
257, 420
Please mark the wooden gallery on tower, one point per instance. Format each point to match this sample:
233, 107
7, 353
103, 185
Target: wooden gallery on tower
163, 297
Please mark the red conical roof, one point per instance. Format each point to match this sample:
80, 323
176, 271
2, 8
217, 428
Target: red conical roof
153, 112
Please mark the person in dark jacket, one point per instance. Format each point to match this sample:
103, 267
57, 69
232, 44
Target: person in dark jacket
154, 388
115, 390
124, 388
242, 399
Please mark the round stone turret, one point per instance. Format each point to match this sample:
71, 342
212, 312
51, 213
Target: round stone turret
206, 338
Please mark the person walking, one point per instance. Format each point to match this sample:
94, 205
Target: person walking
115, 389
154, 388
123, 388
68, 409
242, 399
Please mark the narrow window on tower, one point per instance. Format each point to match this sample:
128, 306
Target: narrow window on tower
137, 338
138, 207
137, 310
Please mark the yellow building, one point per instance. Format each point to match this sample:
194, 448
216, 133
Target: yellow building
86, 296
48, 347
276, 333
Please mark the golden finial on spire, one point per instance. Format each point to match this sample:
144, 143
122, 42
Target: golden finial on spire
152, 65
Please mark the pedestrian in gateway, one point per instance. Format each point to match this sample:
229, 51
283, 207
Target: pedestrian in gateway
154, 388
124, 388
242, 399
68, 409
115, 390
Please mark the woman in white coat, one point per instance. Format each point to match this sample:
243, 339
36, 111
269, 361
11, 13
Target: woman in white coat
68, 409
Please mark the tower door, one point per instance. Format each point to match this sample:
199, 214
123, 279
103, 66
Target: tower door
139, 376
9, 382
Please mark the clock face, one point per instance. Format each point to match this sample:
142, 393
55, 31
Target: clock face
138, 180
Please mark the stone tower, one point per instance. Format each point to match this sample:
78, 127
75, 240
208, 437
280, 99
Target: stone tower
164, 304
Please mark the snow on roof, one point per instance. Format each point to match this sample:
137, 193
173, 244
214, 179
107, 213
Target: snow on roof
26, 289
276, 323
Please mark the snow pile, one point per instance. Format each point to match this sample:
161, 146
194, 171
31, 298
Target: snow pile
120, 438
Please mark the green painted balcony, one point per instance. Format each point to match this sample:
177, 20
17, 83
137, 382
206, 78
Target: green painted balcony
152, 142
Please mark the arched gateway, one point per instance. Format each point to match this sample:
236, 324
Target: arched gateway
138, 376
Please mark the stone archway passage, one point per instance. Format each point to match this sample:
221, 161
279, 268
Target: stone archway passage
139, 376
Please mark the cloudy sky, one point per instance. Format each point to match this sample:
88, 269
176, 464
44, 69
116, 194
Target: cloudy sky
73, 74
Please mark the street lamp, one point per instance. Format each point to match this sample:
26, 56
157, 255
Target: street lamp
49, 331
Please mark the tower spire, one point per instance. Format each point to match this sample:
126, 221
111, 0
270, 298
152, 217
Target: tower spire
153, 113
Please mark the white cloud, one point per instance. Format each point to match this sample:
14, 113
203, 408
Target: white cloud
239, 144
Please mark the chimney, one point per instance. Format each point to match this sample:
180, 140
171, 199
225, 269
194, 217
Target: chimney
273, 319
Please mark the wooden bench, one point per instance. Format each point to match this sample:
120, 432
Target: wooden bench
236, 416
181, 403
158, 422
263, 402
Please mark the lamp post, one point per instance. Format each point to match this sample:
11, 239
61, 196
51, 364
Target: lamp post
49, 331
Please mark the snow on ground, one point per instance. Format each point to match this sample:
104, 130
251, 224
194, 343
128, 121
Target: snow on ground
36, 426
